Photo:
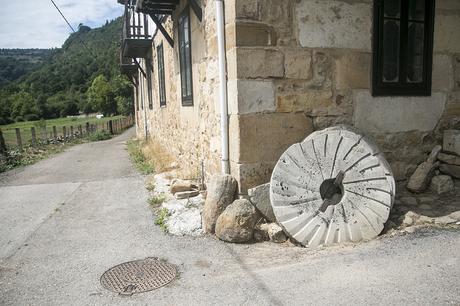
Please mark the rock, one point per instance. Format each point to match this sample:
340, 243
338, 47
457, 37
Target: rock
409, 200
455, 215
186, 194
409, 218
221, 193
449, 159
421, 178
425, 206
451, 170
451, 141
260, 198
236, 223
185, 222
273, 232
444, 220
181, 186
442, 184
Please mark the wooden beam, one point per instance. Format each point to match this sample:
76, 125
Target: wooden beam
197, 9
139, 66
162, 30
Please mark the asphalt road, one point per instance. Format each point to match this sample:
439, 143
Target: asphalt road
66, 220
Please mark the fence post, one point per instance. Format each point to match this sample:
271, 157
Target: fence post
87, 127
110, 127
64, 132
3, 150
34, 136
80, 130
18, 138
71, 131
54, 132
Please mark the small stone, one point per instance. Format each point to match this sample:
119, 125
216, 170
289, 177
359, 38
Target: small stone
455, 215
274, 232
410, 230
260, 198
221, 193
424, 220
409, 200
442, 184
236, 223
186, 194
181, 186
451, 141
451, 170
449, 159
409, 218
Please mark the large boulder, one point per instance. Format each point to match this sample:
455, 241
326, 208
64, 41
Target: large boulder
260, 198
420, 180
236, 223
221, 193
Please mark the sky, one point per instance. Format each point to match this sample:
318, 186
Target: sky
37, 23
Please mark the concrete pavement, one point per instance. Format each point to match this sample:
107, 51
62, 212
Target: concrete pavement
66, 220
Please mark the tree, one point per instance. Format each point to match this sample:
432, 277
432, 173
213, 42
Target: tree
24, 106
101, 97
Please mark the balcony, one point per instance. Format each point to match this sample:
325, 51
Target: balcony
137, 41
127, 66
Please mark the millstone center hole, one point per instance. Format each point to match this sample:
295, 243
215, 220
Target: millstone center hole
331, 193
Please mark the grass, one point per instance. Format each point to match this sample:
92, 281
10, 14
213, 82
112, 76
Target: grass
160, 220
143, 165
9, 132
157, 200
150, 186
157, 154
99, 136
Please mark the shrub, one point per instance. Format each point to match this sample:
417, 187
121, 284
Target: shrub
99, 136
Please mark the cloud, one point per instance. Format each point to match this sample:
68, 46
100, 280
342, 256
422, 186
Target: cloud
37, 24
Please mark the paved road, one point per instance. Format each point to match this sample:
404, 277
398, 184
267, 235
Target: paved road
66, 220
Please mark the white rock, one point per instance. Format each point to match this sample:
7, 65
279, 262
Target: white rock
185, 222
451, 141
442, 184
273, 231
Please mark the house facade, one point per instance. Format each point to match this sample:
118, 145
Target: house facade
390, 68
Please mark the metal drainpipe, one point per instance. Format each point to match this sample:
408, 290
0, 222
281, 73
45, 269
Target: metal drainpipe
222, 85
143, 106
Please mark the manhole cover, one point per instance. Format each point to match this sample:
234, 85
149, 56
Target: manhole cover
138, 276
333, 187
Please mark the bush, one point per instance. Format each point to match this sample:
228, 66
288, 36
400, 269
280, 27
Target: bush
31, 117
19, 119
100, 135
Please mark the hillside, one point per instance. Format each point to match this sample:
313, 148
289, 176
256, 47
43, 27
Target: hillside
14, 63
64, 84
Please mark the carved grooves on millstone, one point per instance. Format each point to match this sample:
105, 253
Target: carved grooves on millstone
355, 213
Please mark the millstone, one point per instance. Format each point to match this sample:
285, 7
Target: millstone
333, 187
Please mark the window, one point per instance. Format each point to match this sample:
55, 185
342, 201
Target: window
161, 75
185, 57
148, 69
403, 47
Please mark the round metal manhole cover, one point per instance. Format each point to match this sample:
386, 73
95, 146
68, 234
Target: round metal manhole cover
138, 276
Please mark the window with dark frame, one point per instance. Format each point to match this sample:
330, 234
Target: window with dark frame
185, 58
161, 75
402, 47
148, 69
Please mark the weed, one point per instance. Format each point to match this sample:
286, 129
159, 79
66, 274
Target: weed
160, 220
138, 158
150, 186
157, 200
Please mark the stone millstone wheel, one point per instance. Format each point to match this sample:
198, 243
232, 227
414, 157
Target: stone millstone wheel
333, 187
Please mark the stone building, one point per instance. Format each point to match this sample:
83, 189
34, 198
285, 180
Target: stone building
391, 68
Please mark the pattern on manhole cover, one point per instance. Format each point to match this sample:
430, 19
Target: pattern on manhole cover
333, 187
138, 276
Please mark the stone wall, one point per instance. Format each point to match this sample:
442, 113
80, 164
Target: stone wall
190, 133
306, 65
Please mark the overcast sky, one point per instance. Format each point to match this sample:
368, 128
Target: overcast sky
37, 24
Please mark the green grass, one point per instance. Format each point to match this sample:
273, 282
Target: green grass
138, 158
9, 132
160, 220
99, 135
157, 200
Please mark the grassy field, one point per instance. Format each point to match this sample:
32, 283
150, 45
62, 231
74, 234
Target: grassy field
9, 132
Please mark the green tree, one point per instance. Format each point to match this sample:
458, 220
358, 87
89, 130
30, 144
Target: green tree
23, 105
101, 96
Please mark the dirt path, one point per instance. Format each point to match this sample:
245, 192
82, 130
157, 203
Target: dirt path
65, 220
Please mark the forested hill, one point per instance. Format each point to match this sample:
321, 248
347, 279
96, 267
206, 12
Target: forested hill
82, 76
14, 63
